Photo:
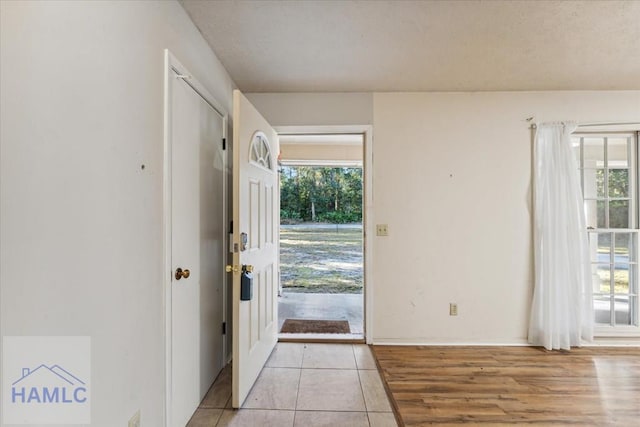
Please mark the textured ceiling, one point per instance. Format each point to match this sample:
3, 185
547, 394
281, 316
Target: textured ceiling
351, 46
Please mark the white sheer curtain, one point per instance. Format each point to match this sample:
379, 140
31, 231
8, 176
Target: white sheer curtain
562, 309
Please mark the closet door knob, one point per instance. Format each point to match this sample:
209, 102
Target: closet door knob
182, 273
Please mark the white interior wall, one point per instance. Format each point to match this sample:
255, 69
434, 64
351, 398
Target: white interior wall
452, 179
314, 109
81, 222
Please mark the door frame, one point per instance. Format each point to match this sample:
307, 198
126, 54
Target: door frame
367, 218
171, 64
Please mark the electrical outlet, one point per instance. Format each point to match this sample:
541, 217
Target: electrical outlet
382, 230
453, 309
135, 420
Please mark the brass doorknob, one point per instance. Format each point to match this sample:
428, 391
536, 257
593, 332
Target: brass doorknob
235, 268
182, 273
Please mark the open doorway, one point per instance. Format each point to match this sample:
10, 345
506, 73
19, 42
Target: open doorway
321, 237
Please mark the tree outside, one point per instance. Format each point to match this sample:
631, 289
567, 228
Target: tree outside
321, 233
320, 194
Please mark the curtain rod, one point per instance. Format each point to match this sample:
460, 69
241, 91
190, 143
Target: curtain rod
608, 124
594, 124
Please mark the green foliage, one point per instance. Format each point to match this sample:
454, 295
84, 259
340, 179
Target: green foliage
321, 194
289, 217
337, 217
618, 186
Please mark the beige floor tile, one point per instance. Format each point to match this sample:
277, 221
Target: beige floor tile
255, 418
330, 390
330, 356
286, 355
205, 417
330, 419
220, 392
382, 419
275, 388
375, 396
364, 358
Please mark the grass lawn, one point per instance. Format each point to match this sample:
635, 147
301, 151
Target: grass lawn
327, 260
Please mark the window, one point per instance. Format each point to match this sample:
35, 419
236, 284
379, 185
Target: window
608, 168
260, 153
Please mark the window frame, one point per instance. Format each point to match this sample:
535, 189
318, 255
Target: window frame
633, 155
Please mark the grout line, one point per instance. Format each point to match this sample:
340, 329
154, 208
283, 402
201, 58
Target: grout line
366, 407
355, 359
347, 411
295, 406
339, 369
368, 419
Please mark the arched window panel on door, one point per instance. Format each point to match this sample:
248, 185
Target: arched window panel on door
260, 153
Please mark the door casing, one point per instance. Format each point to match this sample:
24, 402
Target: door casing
367, 217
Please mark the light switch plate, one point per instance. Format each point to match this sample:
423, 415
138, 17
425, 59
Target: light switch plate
453, 309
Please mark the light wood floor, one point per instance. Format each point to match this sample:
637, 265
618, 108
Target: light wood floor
512, 385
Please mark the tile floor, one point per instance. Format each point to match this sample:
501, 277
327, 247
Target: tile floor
305, 385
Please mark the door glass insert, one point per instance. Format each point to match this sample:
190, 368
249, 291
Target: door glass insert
260, 153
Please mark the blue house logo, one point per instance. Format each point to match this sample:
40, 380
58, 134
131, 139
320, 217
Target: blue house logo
48, 385
46, 380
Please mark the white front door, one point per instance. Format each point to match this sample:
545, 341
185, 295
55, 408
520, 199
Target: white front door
197, 193
255, 237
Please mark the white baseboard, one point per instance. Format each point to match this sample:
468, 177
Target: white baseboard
613, 342
597, 342
417, 342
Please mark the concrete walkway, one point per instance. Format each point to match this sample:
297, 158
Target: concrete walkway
294, 305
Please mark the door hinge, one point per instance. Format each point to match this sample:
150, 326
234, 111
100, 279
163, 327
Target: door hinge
224, 328
224, 143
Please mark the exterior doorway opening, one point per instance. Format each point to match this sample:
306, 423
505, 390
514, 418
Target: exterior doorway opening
322, 280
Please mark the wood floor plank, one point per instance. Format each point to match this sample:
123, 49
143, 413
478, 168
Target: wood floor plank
512, 385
